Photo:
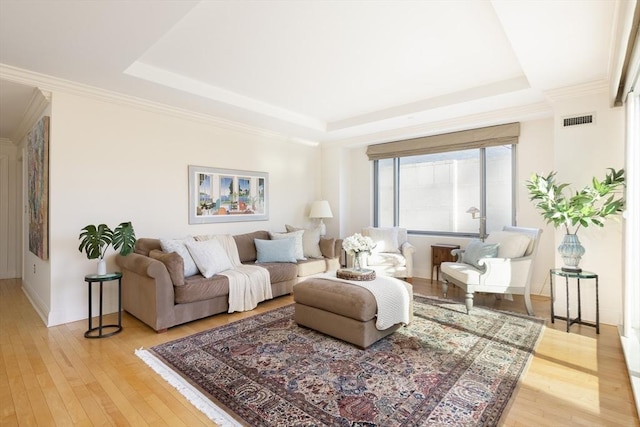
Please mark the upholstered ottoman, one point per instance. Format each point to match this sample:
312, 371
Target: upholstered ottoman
341, 310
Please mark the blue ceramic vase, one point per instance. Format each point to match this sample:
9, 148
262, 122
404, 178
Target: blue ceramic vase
571, 252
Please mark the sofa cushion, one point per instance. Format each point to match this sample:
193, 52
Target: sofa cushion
387, 259
385, 238
177, 245
310, 241
276, 250
198, 288
246, 245
174, 264
209, 256
464, 273
476, 250
296, 235
311, 266
280, 271
511, 245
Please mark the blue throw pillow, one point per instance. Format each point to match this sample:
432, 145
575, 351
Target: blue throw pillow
283, 250
476, 250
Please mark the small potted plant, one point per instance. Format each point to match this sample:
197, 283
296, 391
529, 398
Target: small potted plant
95, 241
589, 206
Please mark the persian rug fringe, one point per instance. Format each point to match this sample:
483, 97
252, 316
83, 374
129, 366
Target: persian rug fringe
195, 397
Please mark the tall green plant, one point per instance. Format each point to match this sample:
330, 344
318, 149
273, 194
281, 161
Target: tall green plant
95, 241
589, 206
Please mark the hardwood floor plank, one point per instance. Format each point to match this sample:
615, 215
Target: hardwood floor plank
55, 375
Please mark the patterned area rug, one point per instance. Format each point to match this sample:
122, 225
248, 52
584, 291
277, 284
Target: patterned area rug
446, 368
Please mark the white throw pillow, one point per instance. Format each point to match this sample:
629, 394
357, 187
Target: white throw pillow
310, 241
512, 245
178, 246
385, 238
209, 256
297, 235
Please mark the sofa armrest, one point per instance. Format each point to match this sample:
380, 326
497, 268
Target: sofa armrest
511, 271
407, 250
147, 290
458, 254
142, 265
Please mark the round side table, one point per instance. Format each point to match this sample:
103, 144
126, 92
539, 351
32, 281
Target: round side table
101, 278
574, 275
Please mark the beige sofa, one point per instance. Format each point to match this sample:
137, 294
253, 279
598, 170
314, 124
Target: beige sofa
156, 291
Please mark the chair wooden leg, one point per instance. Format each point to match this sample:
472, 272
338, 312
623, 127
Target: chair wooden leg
445, 288
468, 301
527, 303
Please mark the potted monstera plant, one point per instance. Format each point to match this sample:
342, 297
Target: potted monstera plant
588, 206
95, 240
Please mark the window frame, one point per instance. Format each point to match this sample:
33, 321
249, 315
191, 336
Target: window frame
482, 195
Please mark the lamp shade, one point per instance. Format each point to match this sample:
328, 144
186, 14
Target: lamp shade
320, 209
473, 211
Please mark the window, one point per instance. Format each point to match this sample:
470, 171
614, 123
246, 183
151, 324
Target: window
431, 193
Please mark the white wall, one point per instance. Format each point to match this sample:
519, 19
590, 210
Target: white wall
577, 154
535, 155
9, 211
581, 153
36, 272
110, 162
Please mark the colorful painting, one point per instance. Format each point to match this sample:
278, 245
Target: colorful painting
225, 195
38, 190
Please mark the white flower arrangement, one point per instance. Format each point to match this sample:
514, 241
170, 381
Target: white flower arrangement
358, 244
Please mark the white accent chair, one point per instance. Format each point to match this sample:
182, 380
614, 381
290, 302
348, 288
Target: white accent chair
393, 254
507, 273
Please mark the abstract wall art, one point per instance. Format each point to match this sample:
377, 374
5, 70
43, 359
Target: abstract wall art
38, 190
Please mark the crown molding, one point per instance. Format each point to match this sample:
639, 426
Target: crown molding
7, 142
577, 91
51, 84
505, 115
39, 101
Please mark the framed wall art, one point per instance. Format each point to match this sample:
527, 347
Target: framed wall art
227, 195
38, 191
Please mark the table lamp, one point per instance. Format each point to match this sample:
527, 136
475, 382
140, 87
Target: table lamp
321, 209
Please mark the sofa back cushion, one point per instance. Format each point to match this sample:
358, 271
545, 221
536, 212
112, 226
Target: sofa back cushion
246, 245
387, 239
173, 262
511, 245
145, 245
178, 245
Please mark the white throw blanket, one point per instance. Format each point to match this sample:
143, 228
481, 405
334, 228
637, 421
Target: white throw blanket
392, 297
248, 284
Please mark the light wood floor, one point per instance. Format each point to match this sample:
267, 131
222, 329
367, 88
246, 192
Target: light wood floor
54, 376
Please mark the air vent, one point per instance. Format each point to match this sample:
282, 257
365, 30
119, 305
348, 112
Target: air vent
586, 119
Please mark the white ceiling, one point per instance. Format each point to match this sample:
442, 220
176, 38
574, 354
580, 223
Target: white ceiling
315, 70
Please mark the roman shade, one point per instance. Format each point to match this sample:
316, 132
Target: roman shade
454, 141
